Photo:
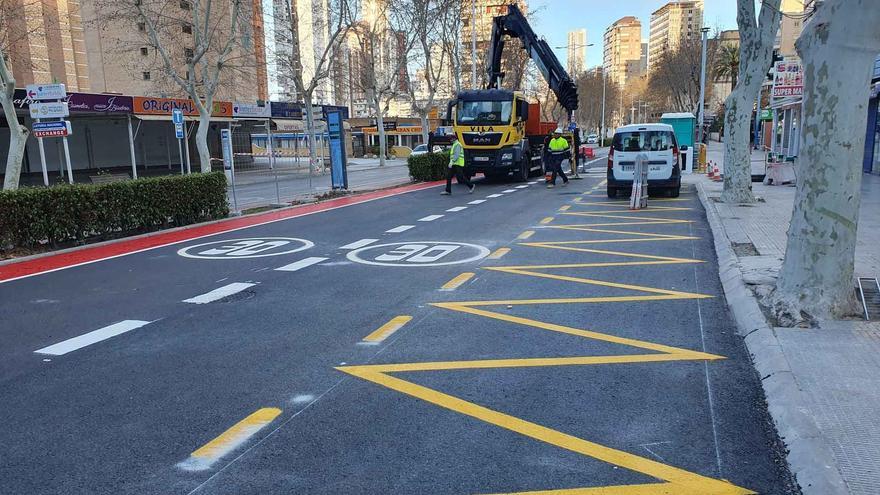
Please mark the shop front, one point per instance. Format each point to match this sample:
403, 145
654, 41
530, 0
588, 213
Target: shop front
871, 163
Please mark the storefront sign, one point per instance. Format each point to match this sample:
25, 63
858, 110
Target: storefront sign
251, 110
338, 170
788, 80
164, 106
57, 128
86, 102
287, 110
49, 110
766, 114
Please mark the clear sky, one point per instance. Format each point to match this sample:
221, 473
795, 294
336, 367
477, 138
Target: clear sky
556, 18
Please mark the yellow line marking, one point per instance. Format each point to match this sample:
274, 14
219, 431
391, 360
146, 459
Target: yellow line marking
383, 332
526, 234
565, 208
498, 253
227, 441
623, 216
457, 281
546, 220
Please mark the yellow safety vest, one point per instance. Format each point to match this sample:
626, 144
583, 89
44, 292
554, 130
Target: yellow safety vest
459, 162
558, 144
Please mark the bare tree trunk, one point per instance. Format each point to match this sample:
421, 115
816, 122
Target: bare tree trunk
423, 116
838, 47
17, 133
310, 132
204, 108
756, 48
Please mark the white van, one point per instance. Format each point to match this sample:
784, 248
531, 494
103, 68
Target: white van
657, 141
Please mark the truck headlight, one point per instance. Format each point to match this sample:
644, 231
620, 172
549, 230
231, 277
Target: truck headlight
507, 156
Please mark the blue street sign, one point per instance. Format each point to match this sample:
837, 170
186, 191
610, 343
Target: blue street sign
178, 131
338, 171
52, 125
177, 116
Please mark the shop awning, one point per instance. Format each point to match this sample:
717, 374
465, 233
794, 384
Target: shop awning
289, 125
188, 118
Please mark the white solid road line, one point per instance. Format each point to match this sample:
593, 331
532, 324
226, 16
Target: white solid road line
358, 244
399, 229
509, 190
477, 201
219, 293
533, 182
90, 338
494, 196
523, 186
430, 218
457, 208
299, 265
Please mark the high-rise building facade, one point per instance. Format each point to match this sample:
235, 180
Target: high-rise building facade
46, 43
623, 50
313, 32
121, 58
577, 52
673, 24
481, 26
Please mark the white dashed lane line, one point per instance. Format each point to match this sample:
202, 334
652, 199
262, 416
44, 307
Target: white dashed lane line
457, 208
92, 337
430, 218
399, 229
299, 265
494, 196
508, 191
523, 186
477, 201
220, 293
358, 244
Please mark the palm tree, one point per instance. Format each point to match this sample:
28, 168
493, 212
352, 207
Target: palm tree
726, 64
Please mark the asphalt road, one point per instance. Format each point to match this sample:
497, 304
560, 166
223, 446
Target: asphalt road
592, 348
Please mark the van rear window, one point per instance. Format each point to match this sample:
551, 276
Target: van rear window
643, 141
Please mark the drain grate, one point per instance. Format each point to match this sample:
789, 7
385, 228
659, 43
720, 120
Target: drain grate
869, 294
744, 249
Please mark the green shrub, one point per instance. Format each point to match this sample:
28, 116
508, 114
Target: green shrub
30, 216
430, 166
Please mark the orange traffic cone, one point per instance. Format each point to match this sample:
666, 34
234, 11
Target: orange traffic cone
710, 170
717, 174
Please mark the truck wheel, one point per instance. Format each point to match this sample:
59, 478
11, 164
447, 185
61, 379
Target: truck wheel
522, 174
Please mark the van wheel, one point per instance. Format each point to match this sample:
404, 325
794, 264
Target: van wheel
612, 193
674, 192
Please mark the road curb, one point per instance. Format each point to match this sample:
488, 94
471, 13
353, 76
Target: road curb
809, 456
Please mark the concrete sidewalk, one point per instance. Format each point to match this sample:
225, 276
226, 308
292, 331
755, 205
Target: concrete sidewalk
822, 384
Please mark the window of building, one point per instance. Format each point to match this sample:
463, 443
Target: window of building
145, 51
142, 27
146, 76
187, 28
188, 53
184, 5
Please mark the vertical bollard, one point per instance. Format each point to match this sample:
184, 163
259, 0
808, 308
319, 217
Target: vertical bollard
639, 197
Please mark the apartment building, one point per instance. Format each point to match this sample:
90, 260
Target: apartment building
623, 50
122, 60
671, 25
45, 42
577, 52
481, 26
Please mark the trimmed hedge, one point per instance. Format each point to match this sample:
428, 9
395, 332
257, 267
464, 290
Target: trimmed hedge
32, 216
428, 167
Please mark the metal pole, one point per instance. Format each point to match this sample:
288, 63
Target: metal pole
186, 147
232, 169
67, 159
43, 160
180, 154
134, 171
702, 86
272, 159
473, 44
602, 133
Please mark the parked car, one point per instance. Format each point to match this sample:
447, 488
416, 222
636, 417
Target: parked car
592, 139
657, 141
419, 150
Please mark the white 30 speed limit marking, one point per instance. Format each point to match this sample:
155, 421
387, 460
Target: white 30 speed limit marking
237, 249
419, 253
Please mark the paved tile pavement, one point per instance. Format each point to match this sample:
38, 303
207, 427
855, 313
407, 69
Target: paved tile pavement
837, 365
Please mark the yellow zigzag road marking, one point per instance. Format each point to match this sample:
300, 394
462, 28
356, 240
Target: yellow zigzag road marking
674, 481
623, 215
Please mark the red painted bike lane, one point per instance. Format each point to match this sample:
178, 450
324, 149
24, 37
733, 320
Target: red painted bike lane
90, 254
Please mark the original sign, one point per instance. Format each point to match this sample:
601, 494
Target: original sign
164, 106
46, 91
237, 249
50, 110
419, 253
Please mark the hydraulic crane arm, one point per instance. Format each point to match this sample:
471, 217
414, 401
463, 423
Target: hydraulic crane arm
515, 24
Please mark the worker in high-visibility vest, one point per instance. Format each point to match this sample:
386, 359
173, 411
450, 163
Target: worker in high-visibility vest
456, 168
559, 151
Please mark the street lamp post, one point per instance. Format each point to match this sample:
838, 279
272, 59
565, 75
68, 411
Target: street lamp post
705, 32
